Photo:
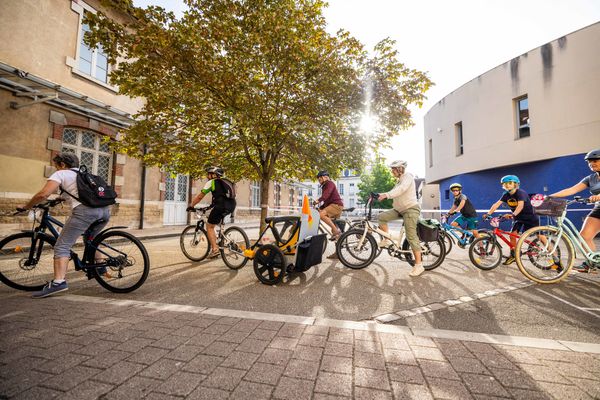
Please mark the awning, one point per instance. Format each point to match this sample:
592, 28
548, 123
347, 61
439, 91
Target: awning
39, 90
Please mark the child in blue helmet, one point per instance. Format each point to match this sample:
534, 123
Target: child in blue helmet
520, 205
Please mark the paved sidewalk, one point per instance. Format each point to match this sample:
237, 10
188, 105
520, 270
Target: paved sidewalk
81, 347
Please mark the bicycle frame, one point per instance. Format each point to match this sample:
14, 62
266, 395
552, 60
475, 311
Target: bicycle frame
48, 222
566, 227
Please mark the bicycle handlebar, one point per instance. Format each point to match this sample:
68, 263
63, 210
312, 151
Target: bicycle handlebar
45, 205
202, 210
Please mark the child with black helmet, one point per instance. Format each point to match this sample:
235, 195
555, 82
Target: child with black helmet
591, 225
520, 205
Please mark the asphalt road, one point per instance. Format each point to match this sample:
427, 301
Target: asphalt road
567, 311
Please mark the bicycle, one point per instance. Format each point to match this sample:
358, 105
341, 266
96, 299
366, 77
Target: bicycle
231, 241
554, 259
451, 234
357, 248
27, 258
486, 251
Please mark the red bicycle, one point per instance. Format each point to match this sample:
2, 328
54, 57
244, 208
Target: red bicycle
486, 251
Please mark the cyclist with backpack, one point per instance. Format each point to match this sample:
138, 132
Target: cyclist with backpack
223, 203
66, 178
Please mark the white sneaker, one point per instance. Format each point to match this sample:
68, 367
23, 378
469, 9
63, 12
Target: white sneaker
417, 270
385, 243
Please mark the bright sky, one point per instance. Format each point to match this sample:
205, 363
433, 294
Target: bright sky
453, 40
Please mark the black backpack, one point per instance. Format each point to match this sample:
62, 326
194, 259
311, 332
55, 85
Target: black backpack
228, 188
93, 190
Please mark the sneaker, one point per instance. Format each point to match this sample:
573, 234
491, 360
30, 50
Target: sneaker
583, 268
509, 260
50, 289
557, 264
335, 236
333, 256
385, 243
417, 270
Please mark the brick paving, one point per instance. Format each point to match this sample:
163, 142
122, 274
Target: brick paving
56, 348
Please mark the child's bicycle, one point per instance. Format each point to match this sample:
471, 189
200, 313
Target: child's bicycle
486, 251
550, 262
231, 241
454, 234
116, 259
357, 247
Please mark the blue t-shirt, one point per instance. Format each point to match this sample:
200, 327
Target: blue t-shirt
512, 200
593, 182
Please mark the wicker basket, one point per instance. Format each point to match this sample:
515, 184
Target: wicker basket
552, 207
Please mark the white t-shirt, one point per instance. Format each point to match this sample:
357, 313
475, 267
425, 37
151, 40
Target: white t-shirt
67, 179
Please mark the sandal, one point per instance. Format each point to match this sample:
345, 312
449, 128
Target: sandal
214, 254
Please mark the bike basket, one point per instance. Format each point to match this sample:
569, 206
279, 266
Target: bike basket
551, 206
428, 230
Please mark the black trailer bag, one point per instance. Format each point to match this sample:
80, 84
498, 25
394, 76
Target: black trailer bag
309, 252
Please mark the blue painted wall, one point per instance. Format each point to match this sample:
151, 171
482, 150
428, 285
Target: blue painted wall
546, 177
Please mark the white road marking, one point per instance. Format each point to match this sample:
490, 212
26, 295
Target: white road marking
583, 309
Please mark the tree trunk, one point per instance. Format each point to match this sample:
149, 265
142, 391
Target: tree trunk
264, 200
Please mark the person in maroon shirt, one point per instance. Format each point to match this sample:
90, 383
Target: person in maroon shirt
330, 203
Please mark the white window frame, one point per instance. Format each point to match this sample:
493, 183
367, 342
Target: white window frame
78, 148
255, 194
520, 126
458, 133
81, 8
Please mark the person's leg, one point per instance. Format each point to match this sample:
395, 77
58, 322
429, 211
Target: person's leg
214, 218
411, 219
323, 215
589, 230
383, 219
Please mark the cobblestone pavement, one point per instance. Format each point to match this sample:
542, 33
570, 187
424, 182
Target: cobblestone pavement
82, 347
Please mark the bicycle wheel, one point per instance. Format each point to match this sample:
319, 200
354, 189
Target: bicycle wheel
448, 241
354, 254
127, 261
194, 243
432, 253
233, 244
378, 238
26, 264
269, 264
485, 253
544, 254
325, 242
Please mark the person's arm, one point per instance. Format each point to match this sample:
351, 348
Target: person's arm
460, 206
208, 187
49, 188
452, 209
327, 192
494, 207
400, 188
570, 191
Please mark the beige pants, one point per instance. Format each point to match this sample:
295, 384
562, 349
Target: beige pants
333, 210
411, 218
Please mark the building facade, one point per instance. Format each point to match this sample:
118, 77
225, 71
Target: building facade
55, 95
534, 116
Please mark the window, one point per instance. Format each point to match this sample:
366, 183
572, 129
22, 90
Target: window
346, 172
522, 106
351, 202
458, 133
255, 193
277, 194
352, 185
430, 152
91, 150
341, 188
92, 62
291, 200
447, 194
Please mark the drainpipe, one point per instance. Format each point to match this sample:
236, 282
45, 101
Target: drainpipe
143, 192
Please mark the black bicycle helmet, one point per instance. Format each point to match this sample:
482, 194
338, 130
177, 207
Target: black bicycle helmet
593, 155
215, 170
322, 173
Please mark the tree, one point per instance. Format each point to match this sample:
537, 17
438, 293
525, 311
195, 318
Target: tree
379, 179
256, 86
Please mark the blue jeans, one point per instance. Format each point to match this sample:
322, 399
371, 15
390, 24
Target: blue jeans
81, 218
